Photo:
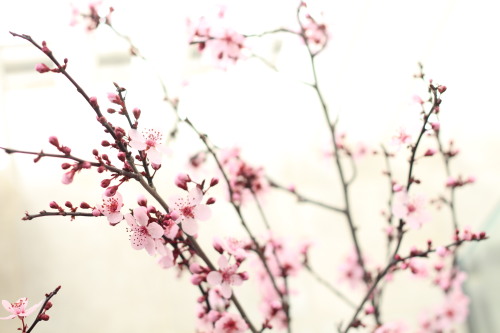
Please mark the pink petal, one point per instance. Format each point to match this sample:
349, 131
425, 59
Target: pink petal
154, 155
8, 317
223, 262
236, 280
155, 230
202, 212
150, 246
7, 305
137, 240
214, 278
33, 308
130, 221
190, 226
114, 218
135, 135
226, 290
195, 196
141, 216
171, 231
138, 145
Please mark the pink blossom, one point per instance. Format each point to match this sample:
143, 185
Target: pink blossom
143, 234
402, 138
18, 309
150, 141
111, 207
411, 209
42, 68
68, 177
214, 36
233, 246
190, 210
351, 271
230, 323
226, 277
167, 258
418, 267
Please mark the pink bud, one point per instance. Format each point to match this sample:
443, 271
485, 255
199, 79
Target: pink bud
65, 166
471, 179
68, 204
48, 305
114, 98
105, 143
142, 201
155, 166
196, 279
195, 268
105, 183
53, 141
137, 113
65, 150
93, 102
110, 191
42, 68
436, 126
44, 317
213, 182
84, 205
86, 165
122, 156
96, 212
217, 244
243, 276
68, 177
430, 152
369, 310
441, 251
174, 215
211, 201
442, 89
53, 205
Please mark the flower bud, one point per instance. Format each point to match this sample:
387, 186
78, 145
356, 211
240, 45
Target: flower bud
44, 317
137, 113
65, 166
53, 205
93, 102
442, 89
214, 181
68, 204
65, 150
42, 68
84, 205
105, 183
110, 191
48, 305
122, 156
142, 201
211, 201
53, 141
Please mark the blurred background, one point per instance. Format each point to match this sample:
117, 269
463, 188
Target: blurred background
366, 76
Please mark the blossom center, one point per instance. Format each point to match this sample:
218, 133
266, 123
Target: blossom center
188, 211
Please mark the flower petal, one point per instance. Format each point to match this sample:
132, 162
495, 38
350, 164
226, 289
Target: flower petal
214, 278
195, 196
190, 226
154, 155
226, 290
155, 230
141, 215
31, 309
114, 218
138, 240
6, 304
223, 262
202, 212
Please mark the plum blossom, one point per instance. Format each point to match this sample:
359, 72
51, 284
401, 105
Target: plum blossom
226, 276
150, 141
351, 271
110, 208
143, 234
411, 209
402, 138
214, 36
230, 323
190, 210
19, 308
